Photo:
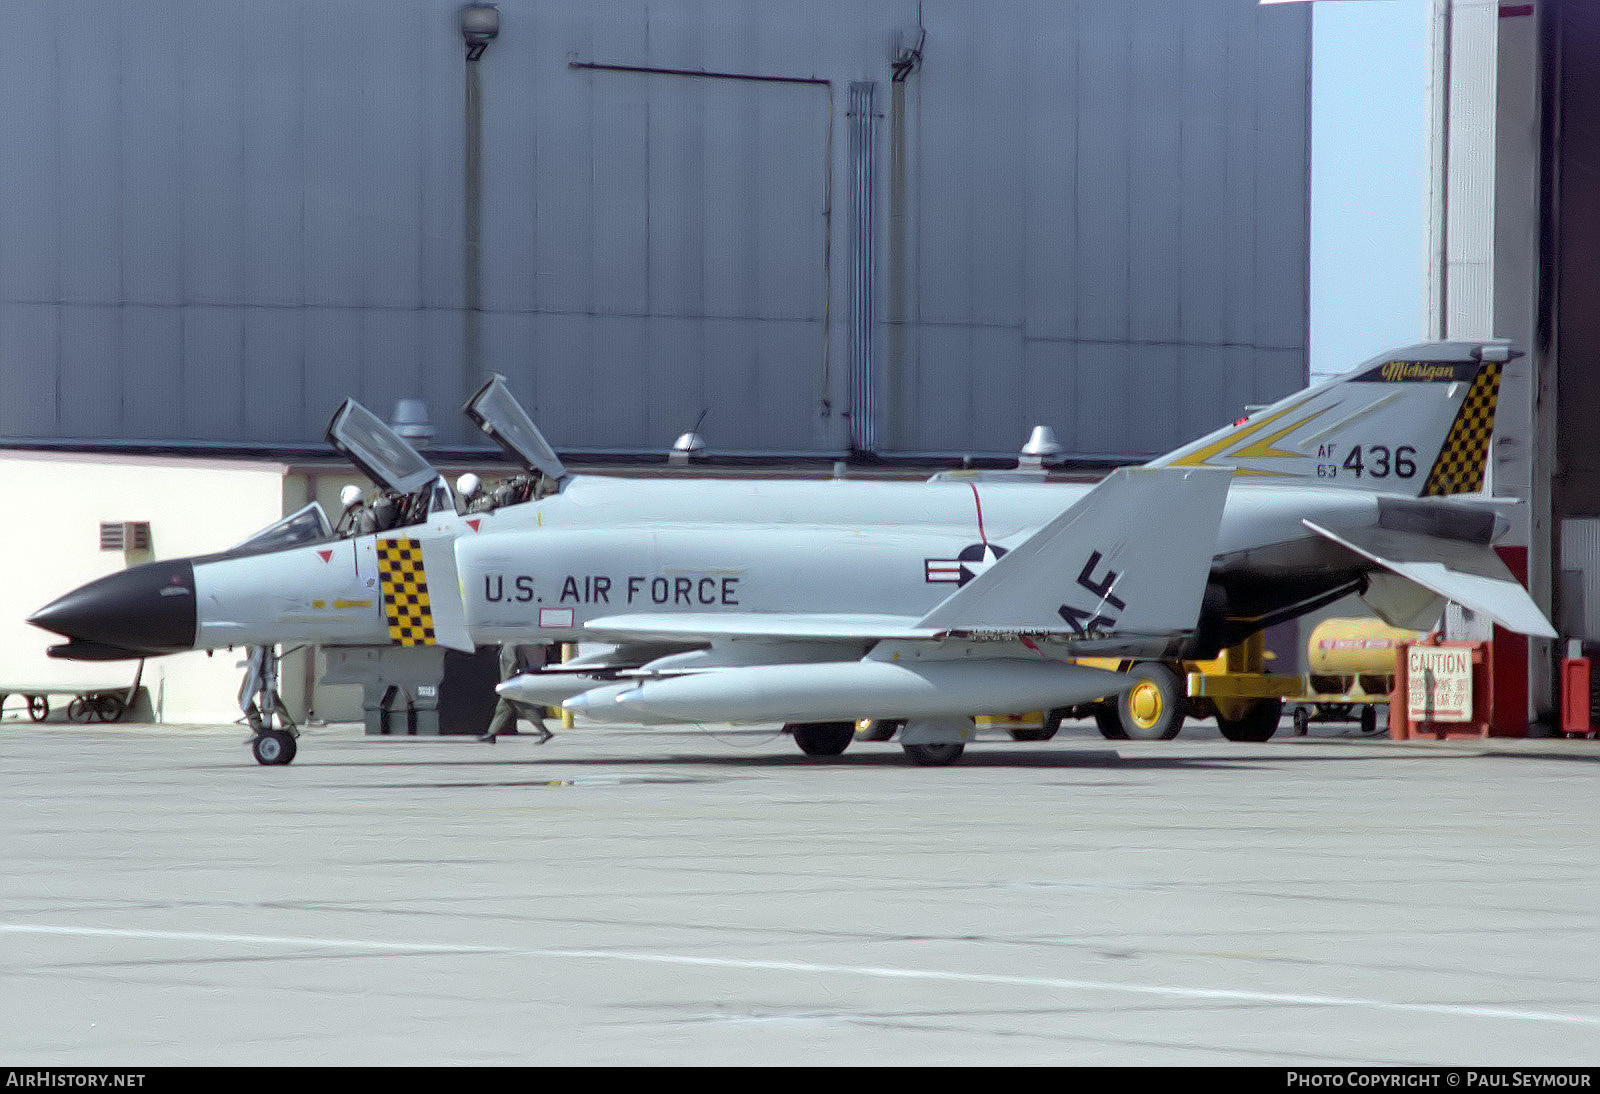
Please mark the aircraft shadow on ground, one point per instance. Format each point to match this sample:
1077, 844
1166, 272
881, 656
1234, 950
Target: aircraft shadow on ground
555, 769
999, 756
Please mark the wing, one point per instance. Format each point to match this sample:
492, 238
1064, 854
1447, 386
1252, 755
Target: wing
1094, 575
1129, 559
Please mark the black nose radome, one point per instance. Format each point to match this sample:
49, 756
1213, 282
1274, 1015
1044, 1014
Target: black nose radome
146, 610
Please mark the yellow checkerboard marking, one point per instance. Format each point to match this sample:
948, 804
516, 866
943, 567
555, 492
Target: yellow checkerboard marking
1459, 469
405, 592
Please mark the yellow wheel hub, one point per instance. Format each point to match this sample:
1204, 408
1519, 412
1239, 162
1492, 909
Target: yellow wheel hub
1144, 703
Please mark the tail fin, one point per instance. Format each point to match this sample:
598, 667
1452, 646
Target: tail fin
1415, 421
1103, 572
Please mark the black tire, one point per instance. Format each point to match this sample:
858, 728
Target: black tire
1369, 719
1151, 710
1052, 726
1259, 723
81, 709
823, 738
1105, 716
38, 707
273, 747
1302, 720
935, 755
107, 708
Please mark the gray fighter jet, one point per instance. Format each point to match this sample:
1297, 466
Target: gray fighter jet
814, 603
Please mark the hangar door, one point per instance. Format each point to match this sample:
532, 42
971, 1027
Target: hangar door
696, 210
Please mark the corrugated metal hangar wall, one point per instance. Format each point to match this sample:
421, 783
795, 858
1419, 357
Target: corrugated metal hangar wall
886, 226
1569, 321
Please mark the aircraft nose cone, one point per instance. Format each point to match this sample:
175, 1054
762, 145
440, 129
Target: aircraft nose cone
146, 610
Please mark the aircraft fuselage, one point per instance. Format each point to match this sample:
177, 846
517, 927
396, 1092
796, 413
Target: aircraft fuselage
610, 546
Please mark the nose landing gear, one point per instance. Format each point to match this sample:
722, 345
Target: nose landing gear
272, 733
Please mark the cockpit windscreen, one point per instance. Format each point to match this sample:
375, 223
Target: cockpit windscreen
307, 525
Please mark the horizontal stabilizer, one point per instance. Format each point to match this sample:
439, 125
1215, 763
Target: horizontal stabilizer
1470, 574
1130, 557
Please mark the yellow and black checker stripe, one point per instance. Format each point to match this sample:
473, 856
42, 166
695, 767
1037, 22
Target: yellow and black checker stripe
1461, 463
405, 592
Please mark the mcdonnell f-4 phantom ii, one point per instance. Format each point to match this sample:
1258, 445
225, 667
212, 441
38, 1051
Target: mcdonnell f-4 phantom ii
815, 603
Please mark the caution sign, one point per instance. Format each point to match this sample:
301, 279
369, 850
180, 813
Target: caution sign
1439, 684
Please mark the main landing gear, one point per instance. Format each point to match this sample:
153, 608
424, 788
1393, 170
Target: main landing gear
942, 754
822, 738
272, 733
832, 738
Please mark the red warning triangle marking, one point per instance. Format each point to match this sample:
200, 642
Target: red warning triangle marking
326, 555
473, 524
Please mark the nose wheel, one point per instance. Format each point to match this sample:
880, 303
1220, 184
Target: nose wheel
272, 734
273, 746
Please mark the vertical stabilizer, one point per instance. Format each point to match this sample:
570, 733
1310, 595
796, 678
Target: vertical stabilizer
1416, 421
